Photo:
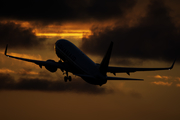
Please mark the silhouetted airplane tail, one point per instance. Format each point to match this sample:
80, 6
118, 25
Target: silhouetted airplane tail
5, 52
105, 62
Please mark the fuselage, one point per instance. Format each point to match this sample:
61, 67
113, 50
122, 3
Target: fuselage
79, 63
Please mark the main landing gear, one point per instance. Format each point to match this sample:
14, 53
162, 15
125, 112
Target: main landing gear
67, 77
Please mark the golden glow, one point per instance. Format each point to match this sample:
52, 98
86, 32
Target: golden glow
66, 30
79, 35
63, 33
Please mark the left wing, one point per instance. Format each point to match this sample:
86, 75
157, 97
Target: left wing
128, 70
50, 63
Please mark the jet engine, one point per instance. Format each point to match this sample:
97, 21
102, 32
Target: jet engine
51, 68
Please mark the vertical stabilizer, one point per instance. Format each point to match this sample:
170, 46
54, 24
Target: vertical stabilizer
105, 62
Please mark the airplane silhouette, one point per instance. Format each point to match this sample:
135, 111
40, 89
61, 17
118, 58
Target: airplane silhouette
73, 60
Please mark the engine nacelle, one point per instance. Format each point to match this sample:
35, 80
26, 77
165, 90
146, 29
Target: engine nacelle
49, 67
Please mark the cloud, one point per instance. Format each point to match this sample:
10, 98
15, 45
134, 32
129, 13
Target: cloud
46, 82
5, 70
155, 37
18, 37
27, 72
172, 80
162, 83
161, 77
7, 82
58, 11
178, 78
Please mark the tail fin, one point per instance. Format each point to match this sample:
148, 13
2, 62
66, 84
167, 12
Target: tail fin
105, 62
6, 50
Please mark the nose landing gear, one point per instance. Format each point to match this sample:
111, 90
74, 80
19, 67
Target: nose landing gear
67, 77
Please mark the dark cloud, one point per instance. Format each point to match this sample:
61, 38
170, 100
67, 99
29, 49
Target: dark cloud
77, 85
154, 38
59, 11
18, 37
7, 82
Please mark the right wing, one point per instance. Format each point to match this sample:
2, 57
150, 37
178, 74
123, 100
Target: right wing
128, 70
108, 78
50, 63
120, 78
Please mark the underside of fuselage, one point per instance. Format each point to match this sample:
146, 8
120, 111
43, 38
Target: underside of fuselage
94, 81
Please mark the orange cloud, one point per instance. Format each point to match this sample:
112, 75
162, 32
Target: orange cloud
22, 71
158, 76
178, 85
65, 30
162, 83
5, 70
25, 72
161, 77
178, 78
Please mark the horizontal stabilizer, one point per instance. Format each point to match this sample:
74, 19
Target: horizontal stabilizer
120, 78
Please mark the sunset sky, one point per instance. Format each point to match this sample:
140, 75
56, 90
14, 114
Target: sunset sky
146, 33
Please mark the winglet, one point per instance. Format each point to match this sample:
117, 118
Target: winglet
6, 50
173, 64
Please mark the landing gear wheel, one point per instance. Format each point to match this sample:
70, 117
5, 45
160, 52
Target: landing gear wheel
65, 78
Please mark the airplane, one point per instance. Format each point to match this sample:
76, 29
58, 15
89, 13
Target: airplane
73, 60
